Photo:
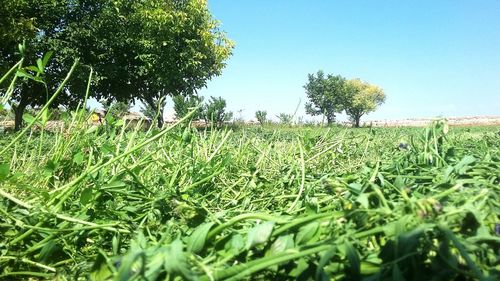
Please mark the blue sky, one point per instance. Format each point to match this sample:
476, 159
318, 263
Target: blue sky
432, 58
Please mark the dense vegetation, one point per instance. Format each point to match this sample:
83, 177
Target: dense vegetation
116, 201
260, 203
140, 50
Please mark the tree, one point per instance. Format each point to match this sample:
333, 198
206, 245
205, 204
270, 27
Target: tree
362, 99
261, 116
285, 118
139, 49
152, 49
183, 105
326, 95
35, 23
215, 111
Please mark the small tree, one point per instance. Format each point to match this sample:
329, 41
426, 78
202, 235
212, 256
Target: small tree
184, 105
261, 116
285, 119
362, 99
215, 111
326, 95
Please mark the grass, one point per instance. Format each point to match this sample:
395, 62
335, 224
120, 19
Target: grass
255, 203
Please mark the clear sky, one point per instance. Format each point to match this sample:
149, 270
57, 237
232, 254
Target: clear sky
432, 58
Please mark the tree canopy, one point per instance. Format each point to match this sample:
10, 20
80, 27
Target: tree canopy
362, 98
141, 50
215, 111
329, 95
326, 94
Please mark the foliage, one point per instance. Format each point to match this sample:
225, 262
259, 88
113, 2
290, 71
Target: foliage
285, 118
139, 49
151, 49
264, 204
184, 105
215, 111
326, 94
261, 116
362, 98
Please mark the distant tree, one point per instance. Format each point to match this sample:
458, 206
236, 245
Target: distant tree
362, 98
326, 95
215, 111
285, 119
183, 105
261, 116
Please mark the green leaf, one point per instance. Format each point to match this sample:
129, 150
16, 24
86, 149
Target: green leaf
355, 188
28, 118
32, 68
196, 241
115, 184
462, 166
281, 244
45, 116
39, 64
259, 234
306, 233
176, 261
116, 244
46, 58
363, 200
22, 73
50, 167
78, 158
4, 171
236, 244
119, 123
325, 259
86, 196
354, 262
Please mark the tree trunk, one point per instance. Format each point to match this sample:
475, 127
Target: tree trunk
19, 111
357, 120
330, 118
160, 119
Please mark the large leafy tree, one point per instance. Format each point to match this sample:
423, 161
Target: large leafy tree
150, 49
141, 50
37, 23
362, 98
326, 94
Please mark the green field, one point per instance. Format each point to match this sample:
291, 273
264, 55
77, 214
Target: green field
254, 203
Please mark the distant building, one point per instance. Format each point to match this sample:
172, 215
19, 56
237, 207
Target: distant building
133, 118
169, 116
